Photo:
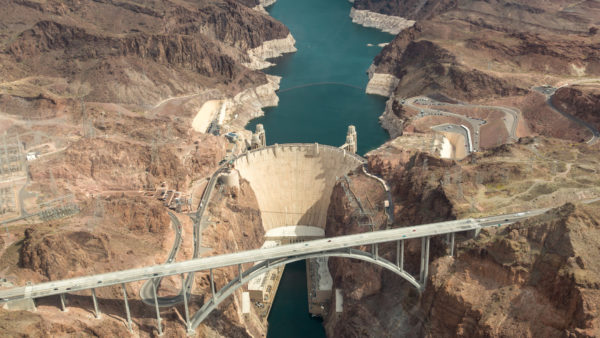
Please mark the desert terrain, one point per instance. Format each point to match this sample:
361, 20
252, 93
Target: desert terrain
114, 115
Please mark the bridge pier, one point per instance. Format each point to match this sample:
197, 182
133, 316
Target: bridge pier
375, 249
185, 304
240, 274
62, 303
424, 270
426, 273
129, 326
212, 286
400, 254
452, 244
97, 313
160, 332
422, 266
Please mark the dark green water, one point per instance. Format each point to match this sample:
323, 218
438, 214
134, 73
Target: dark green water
322, 92
323, 85
289, 315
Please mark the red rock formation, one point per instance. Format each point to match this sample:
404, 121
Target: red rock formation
581, 101
406, 9
539, 277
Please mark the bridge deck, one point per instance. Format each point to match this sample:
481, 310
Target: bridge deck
250, 256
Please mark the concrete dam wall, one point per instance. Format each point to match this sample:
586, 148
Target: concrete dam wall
293, 182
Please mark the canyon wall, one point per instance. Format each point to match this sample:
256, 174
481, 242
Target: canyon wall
387, 23
582, 101
539, 276
105, 93
515, 48
499, 283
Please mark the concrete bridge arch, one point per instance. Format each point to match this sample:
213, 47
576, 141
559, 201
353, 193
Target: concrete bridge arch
264, 266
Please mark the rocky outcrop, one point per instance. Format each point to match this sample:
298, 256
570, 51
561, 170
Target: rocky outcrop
376, 302
238, 227
440, 56
159, 50
381, 83
179, 51
424, 67
412, 9
167, 53
91, 163
387, 23
249, 103
138, 214
393, 119
58, 256
581, 101
268, 50
540, 276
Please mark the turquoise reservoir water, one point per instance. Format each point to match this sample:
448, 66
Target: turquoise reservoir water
289, 315
323, 85
322, 92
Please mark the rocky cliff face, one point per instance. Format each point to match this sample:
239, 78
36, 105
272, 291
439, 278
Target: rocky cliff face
58, 256
479, 51
97, 244
237, 227
539, 276
417, 198
376, 302
581, 101
502, 282
105, 92
183, 47
185, 52
424, 67
406, 9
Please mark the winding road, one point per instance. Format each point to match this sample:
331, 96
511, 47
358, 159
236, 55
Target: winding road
147, 290
510, 113
549, 92
316, 247
423, 111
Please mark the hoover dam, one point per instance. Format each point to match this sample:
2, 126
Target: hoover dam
293, 182
286, 168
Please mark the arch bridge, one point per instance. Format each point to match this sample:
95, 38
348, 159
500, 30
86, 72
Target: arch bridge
341, 246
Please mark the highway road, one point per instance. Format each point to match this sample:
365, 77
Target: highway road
421, 100
548, 92
389, 210
251, 256
509, 113
147, 290
511, 119
454, 128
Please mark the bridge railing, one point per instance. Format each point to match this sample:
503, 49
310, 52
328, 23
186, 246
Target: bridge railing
251, 256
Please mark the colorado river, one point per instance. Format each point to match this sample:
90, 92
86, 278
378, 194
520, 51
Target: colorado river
289, 315
323, 85
322, 92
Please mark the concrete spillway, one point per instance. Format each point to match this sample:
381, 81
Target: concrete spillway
293, 182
